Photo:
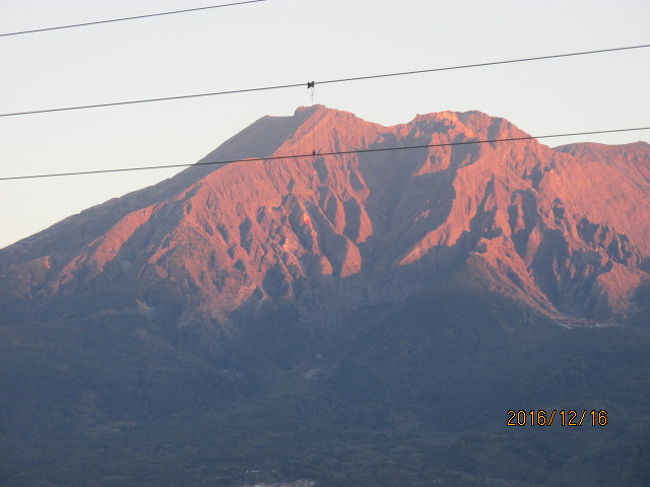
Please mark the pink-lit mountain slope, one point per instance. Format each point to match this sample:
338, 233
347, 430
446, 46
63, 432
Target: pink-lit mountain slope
566, 230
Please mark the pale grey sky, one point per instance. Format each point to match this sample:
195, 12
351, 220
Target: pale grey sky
286, 41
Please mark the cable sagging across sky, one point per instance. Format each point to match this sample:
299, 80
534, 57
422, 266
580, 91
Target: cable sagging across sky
328, 81
122, 19
318, 154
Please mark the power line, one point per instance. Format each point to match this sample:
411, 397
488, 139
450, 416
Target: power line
490, 63
149, 100
329, 81
121, 19
311, 155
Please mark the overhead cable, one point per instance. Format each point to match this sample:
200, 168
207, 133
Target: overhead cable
312, 155
121, 19
322, 82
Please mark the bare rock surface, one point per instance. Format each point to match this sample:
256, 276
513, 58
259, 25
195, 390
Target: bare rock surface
565, 230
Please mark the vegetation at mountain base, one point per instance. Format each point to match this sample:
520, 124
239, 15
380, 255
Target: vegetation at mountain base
421, 398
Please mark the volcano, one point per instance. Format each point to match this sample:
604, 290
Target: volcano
277, 318
565, 230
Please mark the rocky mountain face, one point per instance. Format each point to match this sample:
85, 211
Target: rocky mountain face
565, 230
355, 319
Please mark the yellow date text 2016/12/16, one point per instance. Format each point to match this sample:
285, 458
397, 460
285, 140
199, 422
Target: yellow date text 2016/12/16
563, 417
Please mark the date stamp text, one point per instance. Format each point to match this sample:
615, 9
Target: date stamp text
563, 417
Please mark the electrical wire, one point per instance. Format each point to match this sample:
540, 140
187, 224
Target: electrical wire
121, 19
311, 155
489, 63
328, 81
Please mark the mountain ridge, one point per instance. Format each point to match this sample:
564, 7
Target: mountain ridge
559, 226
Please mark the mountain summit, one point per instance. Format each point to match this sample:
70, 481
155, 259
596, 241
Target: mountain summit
564, 230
